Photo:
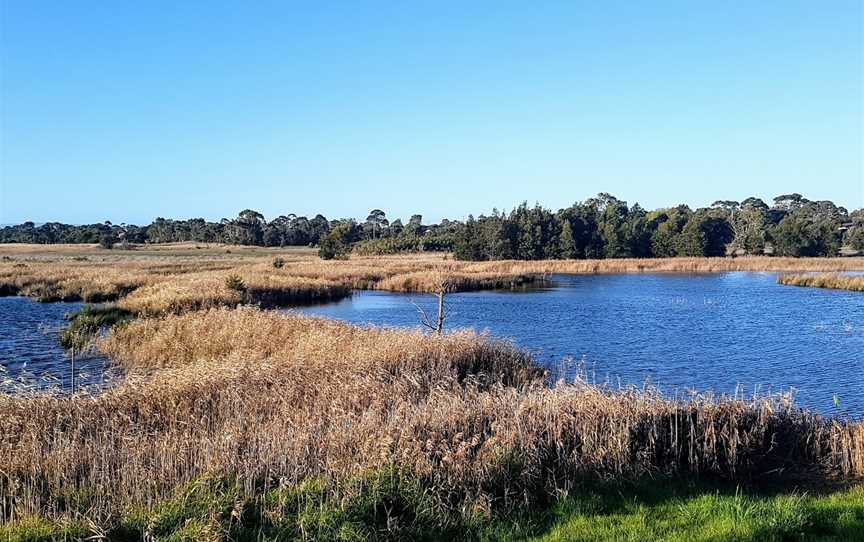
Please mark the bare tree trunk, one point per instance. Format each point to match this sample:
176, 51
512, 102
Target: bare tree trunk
439, 327
73, 370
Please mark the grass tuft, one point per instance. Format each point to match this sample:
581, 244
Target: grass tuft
835, 281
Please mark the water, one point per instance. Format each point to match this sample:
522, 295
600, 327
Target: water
725, 333
720, 332
30, 353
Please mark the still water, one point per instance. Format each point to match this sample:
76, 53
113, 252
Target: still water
726, 333
30, 353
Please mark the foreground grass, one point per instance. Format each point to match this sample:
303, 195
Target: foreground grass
825, 280
695, 516
269, 401
387, 505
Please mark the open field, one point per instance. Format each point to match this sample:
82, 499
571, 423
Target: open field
269, 402
825, 280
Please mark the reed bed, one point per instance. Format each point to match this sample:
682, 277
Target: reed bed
670, 265
68, 283
91, 281
196, 291
265, 400
434, 281
825, 280
171, 280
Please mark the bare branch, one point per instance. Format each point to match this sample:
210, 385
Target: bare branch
424, 318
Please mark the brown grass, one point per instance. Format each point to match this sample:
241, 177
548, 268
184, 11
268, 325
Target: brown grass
171, 278
432, 281
825, 280
670, 265
196, 291
270, 399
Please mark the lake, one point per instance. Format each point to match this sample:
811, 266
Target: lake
30, 353
723, 332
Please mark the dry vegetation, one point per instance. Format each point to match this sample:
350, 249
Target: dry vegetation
265, 399
825, 280
670, 265
157, 279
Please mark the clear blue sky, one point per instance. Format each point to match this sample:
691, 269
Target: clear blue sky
130, 110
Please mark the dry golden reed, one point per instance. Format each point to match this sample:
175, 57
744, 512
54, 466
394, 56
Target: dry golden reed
266, 399
670, 265
432, 281
157, 279
825, 280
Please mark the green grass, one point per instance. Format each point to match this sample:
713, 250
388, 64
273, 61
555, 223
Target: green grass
708, 516
88, 322
390, 506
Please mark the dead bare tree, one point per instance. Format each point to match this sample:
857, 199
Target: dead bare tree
438, 325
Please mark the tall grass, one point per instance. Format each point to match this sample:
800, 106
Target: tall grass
825, 280
170, 284
268, 400
196, 291
669, 265
431, 281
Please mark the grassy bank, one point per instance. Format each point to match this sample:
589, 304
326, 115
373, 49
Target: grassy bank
825, 280
266, 402
395, 506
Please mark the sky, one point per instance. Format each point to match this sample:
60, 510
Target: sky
126, 111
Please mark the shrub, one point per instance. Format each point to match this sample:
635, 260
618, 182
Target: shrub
107, 241
337, 244
88, 322
235, 283
278, 263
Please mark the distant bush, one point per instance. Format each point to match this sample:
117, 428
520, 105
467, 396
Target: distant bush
235, 283
107, 241
404, 243
337, 244
278, 263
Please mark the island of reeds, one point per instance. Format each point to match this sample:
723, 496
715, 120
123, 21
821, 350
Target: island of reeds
834, 281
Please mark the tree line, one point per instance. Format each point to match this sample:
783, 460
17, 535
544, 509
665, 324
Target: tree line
599, 227
606, 227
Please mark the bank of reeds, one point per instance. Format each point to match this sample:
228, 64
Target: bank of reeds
197, 291
434, 281
91, 281
266, 400
825, 280
303, 278
670, 265
70, 282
